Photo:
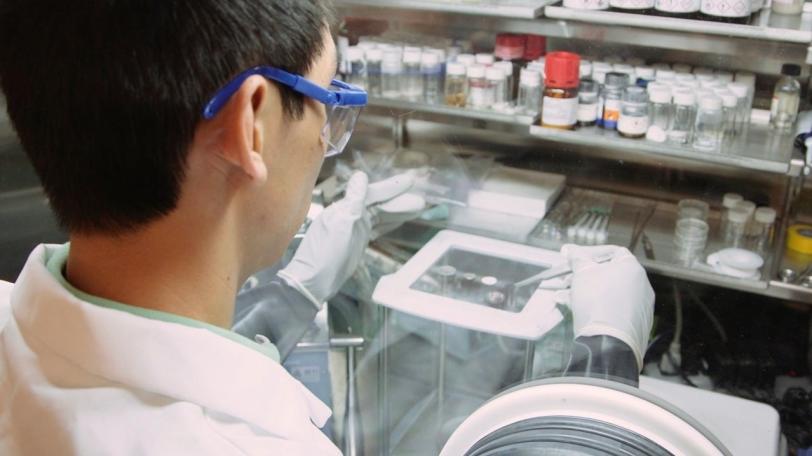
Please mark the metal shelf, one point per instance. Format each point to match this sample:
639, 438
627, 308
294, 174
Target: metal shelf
523, 9
765, 26
761, 149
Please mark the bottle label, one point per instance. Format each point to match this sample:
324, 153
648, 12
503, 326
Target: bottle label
678, 6
560, 112
611, 114
726, 8
633, 125
632, 4
587, 112
587, 4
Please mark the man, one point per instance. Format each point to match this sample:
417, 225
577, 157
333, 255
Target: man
179, 142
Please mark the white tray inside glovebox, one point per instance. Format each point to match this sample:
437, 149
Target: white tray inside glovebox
467, 281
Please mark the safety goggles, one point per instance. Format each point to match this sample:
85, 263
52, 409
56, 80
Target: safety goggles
342, 101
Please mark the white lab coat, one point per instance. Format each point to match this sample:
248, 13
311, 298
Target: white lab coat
77, 378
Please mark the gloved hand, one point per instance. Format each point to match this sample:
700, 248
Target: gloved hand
335, 242
612, 298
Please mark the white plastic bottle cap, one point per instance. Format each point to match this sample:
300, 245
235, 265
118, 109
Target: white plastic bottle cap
684, 97
585, 69
705, 77
392, 56
682, 77
495, 74
656, 85
429, 59
506, 67
412, 57
530, 78
455, 69
765, 215
604, 65
692, 84
738, 88
476, 71
661, 66
665, 75
748, 206
730, 200
644, 72
710, 102
484, 59
703, 71
738, 215
682, 68
729, 100
355, 54
374, 55
466, 59
746, 78
660, 95
724, 76
635, 61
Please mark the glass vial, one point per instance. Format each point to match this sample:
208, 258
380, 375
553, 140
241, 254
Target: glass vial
588, 103
729, 201
660, 112
634, 119
391, 70
612, 96
762, 231
357, 71
559, 106
432, 72
455, 85
682, 122
742, 108
480, 91
708, 126
529, 92
412, 77
374, 59
511, 88
730, 111
496, 79
735, 227
786, 98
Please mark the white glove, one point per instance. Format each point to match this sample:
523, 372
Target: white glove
335, 242
613, 298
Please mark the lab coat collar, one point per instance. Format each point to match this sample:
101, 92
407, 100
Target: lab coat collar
185, 363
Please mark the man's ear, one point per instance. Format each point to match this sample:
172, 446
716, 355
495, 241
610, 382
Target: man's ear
243, 127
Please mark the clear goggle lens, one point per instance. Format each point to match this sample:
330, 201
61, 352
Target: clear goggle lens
338, 129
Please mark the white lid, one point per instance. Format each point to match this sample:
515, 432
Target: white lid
495, 74
730, 200
765, 215
729, 99
484, 59
748, 206
392, 55
476, 71
430, 59
684, 77
738, 215
529, 77
660, 95
653, 85
724, 76
455, 69
705, 77
412, 49
682, 68
614, 59
411, 56
709, 103
703, 71
585, 69
623, 68
365, 43
662, 66
635, 61
739, 89
466, 59
746, 78
507, 67
355, 53
605, 65
665, 75
374, 54
684, 97
538, 67
644, 72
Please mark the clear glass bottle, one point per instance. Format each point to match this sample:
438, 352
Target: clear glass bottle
529, 100
660, 112
634, 116
612, 96
480, 90
735, 227
496, 78
391, 70
588, 103
788, 7
511, 88
742, 108
730, 111
357, 70
432, 72
412, 77
762, 231
729, 201
786, 98
682, 122
455, 85
374, 59
708, 126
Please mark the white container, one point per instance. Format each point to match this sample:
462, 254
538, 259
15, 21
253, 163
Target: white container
709, 123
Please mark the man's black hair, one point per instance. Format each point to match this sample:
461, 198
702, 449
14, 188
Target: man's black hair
105, 95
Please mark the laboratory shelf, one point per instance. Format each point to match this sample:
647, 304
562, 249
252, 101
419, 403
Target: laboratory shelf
761, 149
528, 9
764, 26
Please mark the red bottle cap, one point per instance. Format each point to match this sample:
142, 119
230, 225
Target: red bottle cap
562, 70
509, 46
535, 47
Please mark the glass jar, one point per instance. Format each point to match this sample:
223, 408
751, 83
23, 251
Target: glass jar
730, 110
412, 76
612, 96
511, 87
529, 100
786, 98
392, 69
742, 109
374, 59
729, 201
660, 112
682, 122
455, 85
634, 120
480, 90
708, 125
432, 73
496, 78
735, 227
587, 103
357, 71
762, 231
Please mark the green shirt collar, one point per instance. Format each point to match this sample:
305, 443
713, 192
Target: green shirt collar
56, 265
